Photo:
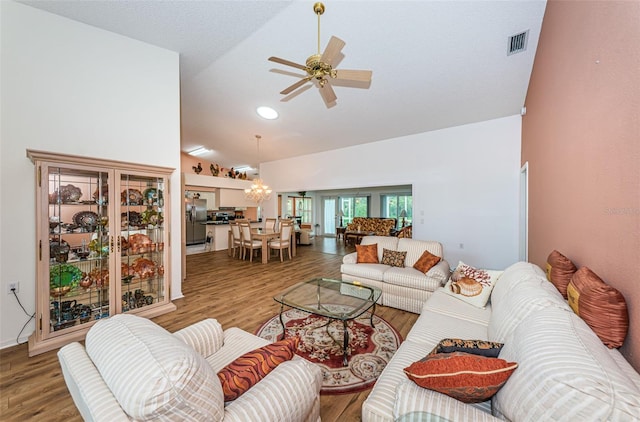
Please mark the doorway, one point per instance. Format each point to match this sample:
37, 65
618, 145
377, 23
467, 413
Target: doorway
330, 214
523, 253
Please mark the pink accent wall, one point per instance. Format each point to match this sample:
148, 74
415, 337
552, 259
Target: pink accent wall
581, 137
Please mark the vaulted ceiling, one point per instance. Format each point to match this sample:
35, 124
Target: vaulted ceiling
436, 64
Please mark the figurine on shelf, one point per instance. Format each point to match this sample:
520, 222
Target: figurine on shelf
215, 169
232, 173
197, 169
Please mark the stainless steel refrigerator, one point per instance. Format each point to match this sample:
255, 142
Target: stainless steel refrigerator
196, 216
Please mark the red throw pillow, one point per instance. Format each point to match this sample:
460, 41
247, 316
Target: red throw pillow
244, 372
560, 269
601, 306
367, 254
463, 376
426, 261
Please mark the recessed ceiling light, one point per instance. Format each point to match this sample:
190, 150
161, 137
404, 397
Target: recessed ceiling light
267, 113
199, 151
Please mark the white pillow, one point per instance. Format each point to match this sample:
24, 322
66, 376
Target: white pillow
472, 285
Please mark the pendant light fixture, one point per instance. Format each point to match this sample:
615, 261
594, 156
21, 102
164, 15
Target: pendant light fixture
258, 192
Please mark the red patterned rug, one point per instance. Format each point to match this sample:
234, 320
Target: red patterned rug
370, 349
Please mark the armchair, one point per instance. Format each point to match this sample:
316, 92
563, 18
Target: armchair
132, 368
306, 234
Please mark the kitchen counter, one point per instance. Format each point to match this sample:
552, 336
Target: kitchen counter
220, 232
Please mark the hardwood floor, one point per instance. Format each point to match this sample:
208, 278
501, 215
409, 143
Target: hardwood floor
234, 292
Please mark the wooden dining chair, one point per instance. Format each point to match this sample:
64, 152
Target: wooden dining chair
270, 224
247, 241
284, 242
236, 239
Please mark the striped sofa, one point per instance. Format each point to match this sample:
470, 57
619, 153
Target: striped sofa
565, 373
133, 369
403, 288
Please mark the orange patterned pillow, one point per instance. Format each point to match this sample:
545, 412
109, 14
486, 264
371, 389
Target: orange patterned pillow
426, 262
367, 254
463, 376
560, 269
601, 306
244, 372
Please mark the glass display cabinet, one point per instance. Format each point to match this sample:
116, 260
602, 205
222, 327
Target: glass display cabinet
102, 244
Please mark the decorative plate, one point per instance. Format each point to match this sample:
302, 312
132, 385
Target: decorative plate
131, 197
65, 194
131, 218
152, 195
105, 194
65, 275
86, 219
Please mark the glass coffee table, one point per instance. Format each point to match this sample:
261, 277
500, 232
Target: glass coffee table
315, 297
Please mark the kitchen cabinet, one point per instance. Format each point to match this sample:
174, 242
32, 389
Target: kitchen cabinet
102, 244
233, 198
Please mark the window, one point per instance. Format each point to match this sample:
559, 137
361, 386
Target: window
394, 204
354, 206
300, 206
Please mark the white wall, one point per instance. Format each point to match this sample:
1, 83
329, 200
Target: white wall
72, 88
465, 184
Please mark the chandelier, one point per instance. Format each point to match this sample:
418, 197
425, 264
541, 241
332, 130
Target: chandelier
259, 191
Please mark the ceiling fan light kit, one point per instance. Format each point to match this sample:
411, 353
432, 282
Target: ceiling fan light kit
320, 66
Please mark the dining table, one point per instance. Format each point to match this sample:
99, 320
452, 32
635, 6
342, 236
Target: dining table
265, 235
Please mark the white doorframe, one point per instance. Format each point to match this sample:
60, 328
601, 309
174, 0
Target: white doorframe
524, 213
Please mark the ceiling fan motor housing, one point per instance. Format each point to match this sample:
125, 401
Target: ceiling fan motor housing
318, 69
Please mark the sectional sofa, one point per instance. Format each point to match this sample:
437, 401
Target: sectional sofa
564, 371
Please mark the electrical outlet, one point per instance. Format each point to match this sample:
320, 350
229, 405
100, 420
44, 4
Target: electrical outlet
13, 286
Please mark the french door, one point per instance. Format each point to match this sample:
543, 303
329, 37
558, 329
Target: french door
330, 214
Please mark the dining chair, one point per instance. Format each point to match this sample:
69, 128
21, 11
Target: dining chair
236, 239
270, 224
247, 241
284, 241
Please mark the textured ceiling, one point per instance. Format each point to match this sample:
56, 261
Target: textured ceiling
435, 64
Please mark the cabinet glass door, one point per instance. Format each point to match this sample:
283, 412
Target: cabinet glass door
141, 241
79, 247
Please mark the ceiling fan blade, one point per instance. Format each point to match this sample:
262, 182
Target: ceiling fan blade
354, 75
332, 50
328, 94
287, 63
295, 86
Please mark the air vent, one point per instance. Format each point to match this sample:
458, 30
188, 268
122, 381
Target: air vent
517, 43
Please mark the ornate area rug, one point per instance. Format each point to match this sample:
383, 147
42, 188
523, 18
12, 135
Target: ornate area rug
370, 349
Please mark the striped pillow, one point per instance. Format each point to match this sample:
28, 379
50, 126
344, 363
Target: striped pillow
247, 370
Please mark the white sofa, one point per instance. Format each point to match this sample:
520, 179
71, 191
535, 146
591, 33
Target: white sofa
133, 369
564, 371
403, 288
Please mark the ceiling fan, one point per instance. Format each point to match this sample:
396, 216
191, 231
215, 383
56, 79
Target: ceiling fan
320, 66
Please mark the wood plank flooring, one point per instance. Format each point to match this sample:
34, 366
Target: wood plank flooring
236, 293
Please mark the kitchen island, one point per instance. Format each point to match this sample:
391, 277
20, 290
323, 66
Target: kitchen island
220, 231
